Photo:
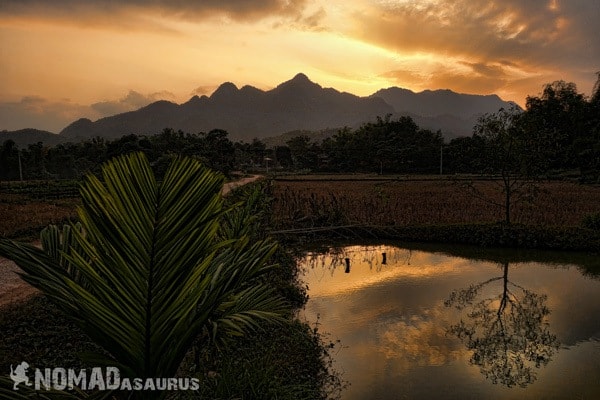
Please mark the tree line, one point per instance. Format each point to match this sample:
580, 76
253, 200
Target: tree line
558, 130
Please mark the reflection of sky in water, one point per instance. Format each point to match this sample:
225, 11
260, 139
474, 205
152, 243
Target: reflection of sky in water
393, 323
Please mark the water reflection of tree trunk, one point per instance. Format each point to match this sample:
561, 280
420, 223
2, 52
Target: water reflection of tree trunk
508, 334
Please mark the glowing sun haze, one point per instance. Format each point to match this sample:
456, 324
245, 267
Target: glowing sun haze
65, 59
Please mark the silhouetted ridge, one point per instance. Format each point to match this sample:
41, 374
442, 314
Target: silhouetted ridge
76, 128
159, 106
295, 105
24, 137
433, 103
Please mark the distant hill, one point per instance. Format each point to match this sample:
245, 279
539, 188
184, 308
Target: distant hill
453, 113
245, 113
24, 137
298, 105
435, 103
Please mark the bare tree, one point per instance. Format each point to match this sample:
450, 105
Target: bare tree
511, 156
507, 333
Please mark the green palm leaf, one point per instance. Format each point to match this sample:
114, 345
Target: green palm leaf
147, 269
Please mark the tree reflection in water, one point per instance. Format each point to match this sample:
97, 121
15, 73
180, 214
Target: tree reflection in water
507, 333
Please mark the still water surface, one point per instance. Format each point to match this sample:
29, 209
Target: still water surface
434, 323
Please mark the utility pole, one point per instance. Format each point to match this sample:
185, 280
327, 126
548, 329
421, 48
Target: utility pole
441, 158
20, 167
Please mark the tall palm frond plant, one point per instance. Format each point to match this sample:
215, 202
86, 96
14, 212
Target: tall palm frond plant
146, 272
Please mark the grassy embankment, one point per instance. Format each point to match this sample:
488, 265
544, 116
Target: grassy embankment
562, 215
283, 361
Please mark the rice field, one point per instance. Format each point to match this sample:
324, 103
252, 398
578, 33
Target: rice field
23, 217
331, 202
311, 203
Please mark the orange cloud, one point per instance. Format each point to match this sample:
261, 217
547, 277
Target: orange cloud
99, 49
40, 113
133, 12
482, 46
132, 101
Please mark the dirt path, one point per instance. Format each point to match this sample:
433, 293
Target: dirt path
229, 186
14, 290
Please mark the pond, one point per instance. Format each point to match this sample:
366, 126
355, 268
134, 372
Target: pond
458, 323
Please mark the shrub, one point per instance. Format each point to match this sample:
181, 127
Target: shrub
592, 221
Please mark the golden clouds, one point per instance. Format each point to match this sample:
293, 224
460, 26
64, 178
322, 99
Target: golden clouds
41, 113
419, 341
500, 43
102, 49
100, 10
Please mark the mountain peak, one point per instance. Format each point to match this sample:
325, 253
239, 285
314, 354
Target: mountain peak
195, 101
300, 77
224, 90
300, 81
76, 127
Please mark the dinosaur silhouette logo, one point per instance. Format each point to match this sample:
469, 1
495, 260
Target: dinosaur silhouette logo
19, 374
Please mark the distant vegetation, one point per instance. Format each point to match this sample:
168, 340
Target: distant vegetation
558, 131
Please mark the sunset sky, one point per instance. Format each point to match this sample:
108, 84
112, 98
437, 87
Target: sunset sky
65, 59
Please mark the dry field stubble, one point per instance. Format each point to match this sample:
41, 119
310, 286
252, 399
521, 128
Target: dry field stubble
424, 202
21, 216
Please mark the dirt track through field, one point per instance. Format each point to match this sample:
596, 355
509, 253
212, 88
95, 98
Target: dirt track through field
14, 290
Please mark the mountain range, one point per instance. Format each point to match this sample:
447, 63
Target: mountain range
296, 105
